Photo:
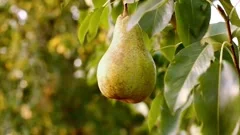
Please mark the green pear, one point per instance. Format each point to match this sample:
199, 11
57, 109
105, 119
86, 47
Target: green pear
126, 72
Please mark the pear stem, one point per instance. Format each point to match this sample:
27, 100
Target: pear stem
125, 10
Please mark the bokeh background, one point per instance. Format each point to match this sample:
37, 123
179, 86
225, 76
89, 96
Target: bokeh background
48, 80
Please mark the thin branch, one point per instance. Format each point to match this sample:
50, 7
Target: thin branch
125, 10
230, 37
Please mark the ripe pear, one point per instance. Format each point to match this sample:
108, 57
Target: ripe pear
126, 72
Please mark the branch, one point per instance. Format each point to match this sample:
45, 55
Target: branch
230, 37
125, 10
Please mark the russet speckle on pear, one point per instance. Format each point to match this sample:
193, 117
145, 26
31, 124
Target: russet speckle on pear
126, 72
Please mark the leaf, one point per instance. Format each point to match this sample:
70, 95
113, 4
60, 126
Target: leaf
236, 51
205, 100
98, 3
192, 18
168, 42
169, 122
104, 19
142, 9
217, 34
160, 12
229, 98
154, 111
183, 72
236, 33
156, 20
95, 21
83, 28
217, 99
187, 118
234, 18
89, 26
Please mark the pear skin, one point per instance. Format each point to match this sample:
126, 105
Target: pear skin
126, 72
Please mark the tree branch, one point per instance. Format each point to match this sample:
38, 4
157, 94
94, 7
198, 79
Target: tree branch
125, 10
230, 37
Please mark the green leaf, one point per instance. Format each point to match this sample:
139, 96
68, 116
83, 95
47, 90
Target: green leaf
192, 18
205, 100
89, 26
236, 51
234, 18
236, 33
168, 42
94, 23
169, 122
98, 3
157, 13
217, 34
104, 19
156, 20
217, 99
83, 28
187, 118
142, 9
184, 71
229, 99
217, 29
154, 111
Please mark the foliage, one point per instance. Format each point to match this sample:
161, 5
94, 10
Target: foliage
49, 51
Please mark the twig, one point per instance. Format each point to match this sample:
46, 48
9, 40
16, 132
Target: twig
230, 37
125, 10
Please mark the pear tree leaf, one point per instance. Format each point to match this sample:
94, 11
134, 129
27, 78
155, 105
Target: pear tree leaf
89, 26
141, 10
229, 97
158, 11
104, 19
154, 21
217, 99
192, 19
183, 73
217, 34
236, 33
205, 100
234, 18
94, 23
236, 51
154, 111
83, 28
169, 122
168, 42
98, 3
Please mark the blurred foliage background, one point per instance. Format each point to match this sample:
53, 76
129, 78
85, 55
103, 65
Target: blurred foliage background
48, 83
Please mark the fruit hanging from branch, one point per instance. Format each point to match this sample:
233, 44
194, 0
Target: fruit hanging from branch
126, 72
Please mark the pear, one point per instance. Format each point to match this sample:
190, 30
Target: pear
126, 72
